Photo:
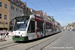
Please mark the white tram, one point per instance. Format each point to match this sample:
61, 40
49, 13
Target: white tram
32, 27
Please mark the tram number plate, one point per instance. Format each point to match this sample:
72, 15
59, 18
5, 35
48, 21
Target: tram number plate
17, 36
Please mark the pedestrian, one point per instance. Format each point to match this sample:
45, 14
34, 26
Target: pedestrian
7, 34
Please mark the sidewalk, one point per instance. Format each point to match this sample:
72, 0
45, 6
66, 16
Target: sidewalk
7, 39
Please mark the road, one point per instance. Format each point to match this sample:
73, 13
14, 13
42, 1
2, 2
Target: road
65, 42
61, 41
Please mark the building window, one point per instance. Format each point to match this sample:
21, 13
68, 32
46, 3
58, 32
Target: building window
12, 7
12, 0
12, 14
5, 16
0, 16
20, 5
16, 15
20, 11
17, 9
24, 11
0, 4
29, 13
27, 9
24, 7
0, 22
6, 6
17, 3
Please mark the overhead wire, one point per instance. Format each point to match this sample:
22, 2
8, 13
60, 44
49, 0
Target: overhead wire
53, 6
33, 4
49, 3
66, 5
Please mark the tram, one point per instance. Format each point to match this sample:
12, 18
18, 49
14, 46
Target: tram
32, 27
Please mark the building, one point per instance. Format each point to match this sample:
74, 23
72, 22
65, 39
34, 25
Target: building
29, 11
4, 14
16, 9
10, 9
33, 11
25, 12
39, 13
49, 18
45, 15
71, 26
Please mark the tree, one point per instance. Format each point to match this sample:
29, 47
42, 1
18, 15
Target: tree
52, 19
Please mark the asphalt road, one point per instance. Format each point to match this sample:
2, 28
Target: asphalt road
61, 41
65, 42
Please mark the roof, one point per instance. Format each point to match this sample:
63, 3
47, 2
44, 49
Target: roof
38, 12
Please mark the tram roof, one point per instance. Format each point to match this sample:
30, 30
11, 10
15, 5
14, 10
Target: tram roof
37, 19
21, 16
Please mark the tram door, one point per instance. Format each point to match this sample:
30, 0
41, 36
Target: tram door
31, 30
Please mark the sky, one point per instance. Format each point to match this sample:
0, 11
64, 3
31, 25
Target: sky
62, 11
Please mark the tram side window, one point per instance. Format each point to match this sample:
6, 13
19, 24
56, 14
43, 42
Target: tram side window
48, 26
31, 27
39, 26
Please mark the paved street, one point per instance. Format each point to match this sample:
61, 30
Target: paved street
65, 42
62, 41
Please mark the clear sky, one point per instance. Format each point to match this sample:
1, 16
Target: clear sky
63, 11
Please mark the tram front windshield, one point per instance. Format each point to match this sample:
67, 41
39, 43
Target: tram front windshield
20, 24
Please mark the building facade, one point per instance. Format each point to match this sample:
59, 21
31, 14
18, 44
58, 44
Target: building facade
39, 13
45, 15
10, 9
4, 14
33, 11
16, 9
29, 11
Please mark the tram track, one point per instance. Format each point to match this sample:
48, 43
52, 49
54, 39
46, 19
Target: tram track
42, 45
8, 45
49, 43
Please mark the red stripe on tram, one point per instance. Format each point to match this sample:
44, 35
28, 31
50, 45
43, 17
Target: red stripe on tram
36, 33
